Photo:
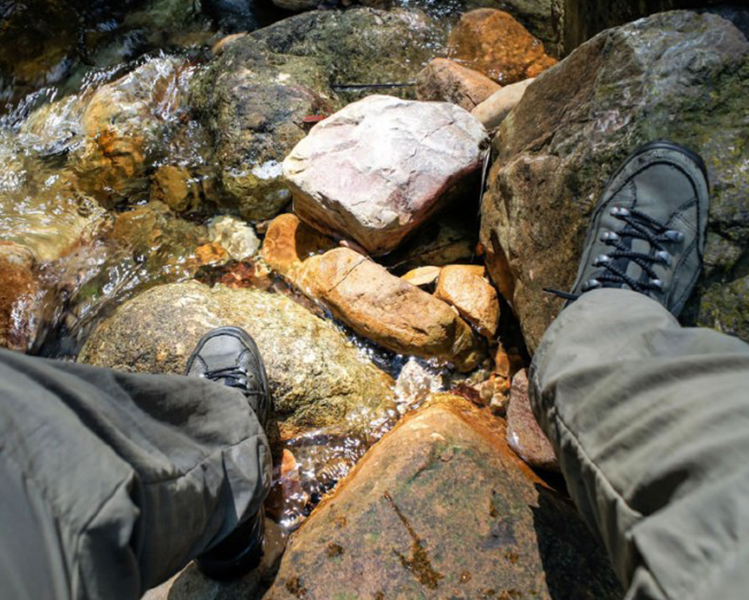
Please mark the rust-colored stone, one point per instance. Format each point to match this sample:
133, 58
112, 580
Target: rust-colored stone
494, 43
18, 292
465, 288
442, 508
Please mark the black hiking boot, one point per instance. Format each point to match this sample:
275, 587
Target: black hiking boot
228, 355
648, 230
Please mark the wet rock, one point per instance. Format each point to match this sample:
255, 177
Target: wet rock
442, 508
524, 435
19, 294
123, 131
389, 311
317, 378
237, 237
492, 42
423, 277
576, 124
255, 96
416, 382
230, 15
42, 209
297, 5
177, 188
376, 170
465, 288
447, 81
492, 111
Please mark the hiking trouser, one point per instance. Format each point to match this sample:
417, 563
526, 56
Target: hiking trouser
650, 422
112, 482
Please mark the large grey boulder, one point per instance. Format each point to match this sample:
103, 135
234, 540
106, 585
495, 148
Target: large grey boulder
317, 378
682, 76
379, 168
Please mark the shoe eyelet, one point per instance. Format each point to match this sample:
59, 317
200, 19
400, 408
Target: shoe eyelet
657, 284
609, 236
591, 284
664, 258
674, 236
601, 259
618, 211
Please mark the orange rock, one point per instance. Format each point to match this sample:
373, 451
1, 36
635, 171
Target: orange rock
210, 254
446, 80
176, 187
18, 293
289, 242
494, 43
465, 288
395, 314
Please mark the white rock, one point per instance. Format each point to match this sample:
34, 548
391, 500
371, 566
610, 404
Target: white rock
235, 236
492, 111
377, 169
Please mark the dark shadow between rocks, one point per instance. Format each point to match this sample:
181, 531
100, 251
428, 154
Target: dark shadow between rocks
575, 562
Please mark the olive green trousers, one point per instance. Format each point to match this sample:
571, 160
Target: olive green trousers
650, 421
112, 482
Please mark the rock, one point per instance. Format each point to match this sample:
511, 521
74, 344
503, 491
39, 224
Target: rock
176, 187
288, 243
380, 167
389, 311
19, 294
254, 97
41, 210
464, 287
230, 15
492, 111
123, 130
492, 42
576, 124
237, 237
524, 435
191, 584
441, 508
416, 382
447, 81
423, 277
317, 378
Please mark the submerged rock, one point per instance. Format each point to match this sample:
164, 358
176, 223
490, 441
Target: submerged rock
442, 508
680, 76
236, 237
19, 291
446, 80
317, 378
492, 42
376, 170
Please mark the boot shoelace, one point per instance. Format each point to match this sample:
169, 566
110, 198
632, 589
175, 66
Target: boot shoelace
235, 377
638, 225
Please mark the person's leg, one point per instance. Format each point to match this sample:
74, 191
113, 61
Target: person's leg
651, 425
126, 477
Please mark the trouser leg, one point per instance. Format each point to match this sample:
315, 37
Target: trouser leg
127, 477
651, 425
